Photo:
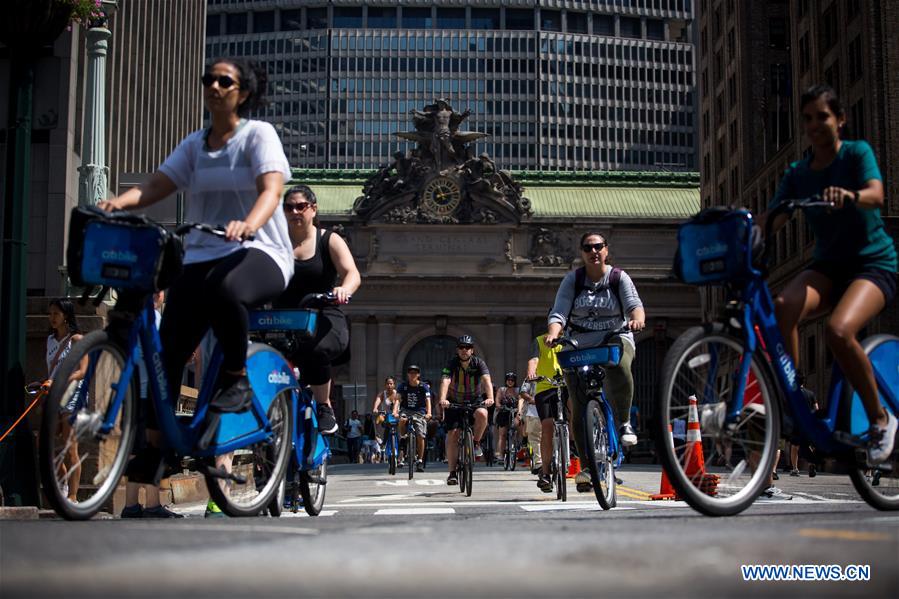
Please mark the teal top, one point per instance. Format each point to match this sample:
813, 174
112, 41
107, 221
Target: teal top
852, 236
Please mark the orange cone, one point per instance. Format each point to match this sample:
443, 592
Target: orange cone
693, 456
574, 467
666, 491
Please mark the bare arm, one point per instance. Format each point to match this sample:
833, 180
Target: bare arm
343, 261
532, 368
488, 385
157, 187
444, 388
269, 187
637, 321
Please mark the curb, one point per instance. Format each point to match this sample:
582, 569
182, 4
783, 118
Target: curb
28, 512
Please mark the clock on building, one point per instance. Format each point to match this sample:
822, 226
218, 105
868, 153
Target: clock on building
441, 196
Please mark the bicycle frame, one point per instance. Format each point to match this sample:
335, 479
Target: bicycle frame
760, 331
267, 377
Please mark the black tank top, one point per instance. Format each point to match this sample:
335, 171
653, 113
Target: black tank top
315, 275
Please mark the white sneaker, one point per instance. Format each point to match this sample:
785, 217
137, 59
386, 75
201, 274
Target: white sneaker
775, 493
478, 452
882, 440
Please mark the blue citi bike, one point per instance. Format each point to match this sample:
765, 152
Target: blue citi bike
94, 401
391, 442
585, 371
737, 377
306, 478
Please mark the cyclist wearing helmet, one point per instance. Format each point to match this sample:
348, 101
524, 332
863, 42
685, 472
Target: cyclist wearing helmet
414, 398
461, 377
507, 400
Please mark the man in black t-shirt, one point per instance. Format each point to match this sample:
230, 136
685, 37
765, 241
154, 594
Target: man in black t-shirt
462, 377
414, 403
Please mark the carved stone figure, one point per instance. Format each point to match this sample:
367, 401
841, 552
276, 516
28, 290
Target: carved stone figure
546, 249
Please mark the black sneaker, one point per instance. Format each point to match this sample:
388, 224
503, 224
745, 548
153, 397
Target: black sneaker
419, 466
327, 424
160, 511
132, 511
545, 483
812, 471
236, 397
452, 479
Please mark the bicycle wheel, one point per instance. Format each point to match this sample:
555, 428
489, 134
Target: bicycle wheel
312, 488
468, 462
276, 505
412, 452
563, 463
391, 460
703, 364
879, 486
600, 462
511, 450
80, 466
262, 464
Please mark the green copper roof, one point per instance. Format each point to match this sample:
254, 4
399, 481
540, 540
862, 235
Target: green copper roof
556, 194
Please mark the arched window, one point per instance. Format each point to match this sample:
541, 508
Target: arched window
431, 355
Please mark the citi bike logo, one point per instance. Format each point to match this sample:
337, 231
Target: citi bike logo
278, 378
787, 365
160, 372
710, 250
274, 321
119, 255
579, 359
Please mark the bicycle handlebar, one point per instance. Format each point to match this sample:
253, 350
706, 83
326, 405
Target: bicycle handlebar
554, 381
215, 231
319, 300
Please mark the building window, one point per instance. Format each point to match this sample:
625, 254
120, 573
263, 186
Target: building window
577, 22
236, 23
520, 19
778, 33
856, 68
829, 29
852, 9
380, 17
416, 18
291, 20
832, 75
213, 25
630, 27
655, 29
317, 18
603, 25
264, 21
857, 120
805, 53
732, 43
348, 17
486, 18
449, 18
550, 20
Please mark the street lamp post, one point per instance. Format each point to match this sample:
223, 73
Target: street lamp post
93, 174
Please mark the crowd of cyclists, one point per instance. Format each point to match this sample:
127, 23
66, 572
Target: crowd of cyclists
274, 251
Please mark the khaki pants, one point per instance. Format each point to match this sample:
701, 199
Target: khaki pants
535, 433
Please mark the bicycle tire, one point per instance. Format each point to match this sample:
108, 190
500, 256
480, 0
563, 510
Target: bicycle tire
105, 363
392, 458
468, 464
600, 462
242, 502
313, 484
460, 461
511, 450
699, 354
564, 461
412, 449
884, 495
556, 466
276, 505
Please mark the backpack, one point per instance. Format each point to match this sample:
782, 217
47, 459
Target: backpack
580, 283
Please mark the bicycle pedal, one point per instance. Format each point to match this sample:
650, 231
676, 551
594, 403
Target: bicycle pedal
221, 473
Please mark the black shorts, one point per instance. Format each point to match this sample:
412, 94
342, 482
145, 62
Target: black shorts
546, 404
842, 275
453, 418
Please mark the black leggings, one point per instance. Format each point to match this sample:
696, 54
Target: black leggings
216, 294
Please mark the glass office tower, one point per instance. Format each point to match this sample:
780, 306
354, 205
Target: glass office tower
557, 84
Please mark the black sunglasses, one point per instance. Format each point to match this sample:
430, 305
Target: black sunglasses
465, 347
225, 82
588, 247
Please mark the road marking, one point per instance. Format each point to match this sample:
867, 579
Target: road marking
632, 493
303, 514
809, 495
181, 526
421, 511
396, 497
405, 482
844, 535
593, 507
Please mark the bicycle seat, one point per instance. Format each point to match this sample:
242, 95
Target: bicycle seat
604, 355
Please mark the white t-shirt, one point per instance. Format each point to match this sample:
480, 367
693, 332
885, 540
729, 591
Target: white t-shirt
57, 346
221, 186
355, 427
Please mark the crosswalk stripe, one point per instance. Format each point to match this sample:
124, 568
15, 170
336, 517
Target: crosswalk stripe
415, 511
566, 507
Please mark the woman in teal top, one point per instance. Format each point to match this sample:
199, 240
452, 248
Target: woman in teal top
853, 273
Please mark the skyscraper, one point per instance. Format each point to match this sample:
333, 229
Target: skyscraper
557, 84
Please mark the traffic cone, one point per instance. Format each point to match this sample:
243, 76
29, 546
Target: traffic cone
693, 457
666, 491
574, 466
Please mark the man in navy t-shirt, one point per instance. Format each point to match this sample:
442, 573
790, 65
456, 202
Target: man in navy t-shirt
414, 403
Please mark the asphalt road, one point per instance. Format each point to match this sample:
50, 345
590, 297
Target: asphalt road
388, 536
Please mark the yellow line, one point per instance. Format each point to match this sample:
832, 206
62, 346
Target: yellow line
632, 493
844, 535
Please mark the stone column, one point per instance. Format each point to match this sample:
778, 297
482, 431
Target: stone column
523, 338
93, 173
386, 341
494, 345
358, 361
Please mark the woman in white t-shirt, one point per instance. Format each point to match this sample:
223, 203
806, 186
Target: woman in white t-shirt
234, 173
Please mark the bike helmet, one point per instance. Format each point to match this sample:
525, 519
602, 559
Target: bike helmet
413, 367
465, 340
512, 375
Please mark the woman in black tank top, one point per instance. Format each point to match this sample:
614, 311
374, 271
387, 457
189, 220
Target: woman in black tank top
320, 259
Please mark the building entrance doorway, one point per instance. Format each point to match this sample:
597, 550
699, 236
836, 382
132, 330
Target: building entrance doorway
431, 355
